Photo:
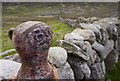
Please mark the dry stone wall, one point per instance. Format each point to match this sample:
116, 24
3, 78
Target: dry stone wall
87, 52
92, 46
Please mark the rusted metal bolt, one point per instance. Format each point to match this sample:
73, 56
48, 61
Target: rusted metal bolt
32, 41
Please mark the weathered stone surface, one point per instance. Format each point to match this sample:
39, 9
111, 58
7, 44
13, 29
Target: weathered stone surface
74, 23
87, 48
17, 58
86, 34
70, 22
98, 60
14, 57
80, 68
103, 51
65, 72
73, 49
112, 31
87, 20
102, 24
94, 28
97, 71
10, 57
109, 46
57, 56
111, 59
103, 67
80, 44
8, 69
90, 52
118, 45
73, 36
105, 36
99, 49
111, 20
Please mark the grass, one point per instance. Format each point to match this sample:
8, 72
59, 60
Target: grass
115, 74
15, 14
10, 53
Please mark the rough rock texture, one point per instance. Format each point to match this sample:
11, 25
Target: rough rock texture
105, 36
94, 28
69, 22
87, 20
14, 57
101, 44
90, 52
57, 56
97, 71
86, 34
111, 60
73, 36
8, 69
80, 68
65, 72
73, 49
103, 51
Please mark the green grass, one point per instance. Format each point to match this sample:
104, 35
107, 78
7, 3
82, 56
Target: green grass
10, 53
14, 15
115, 74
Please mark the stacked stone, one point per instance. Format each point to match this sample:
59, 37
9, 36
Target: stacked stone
92, 47
85, 53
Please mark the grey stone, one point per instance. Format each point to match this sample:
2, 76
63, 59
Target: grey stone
57, 56
88, 35
110, 25
111, 59
97, 71
109, 46
90, 52
17, 58
105, 36
100, 49
73, 49
102, 24
87, 20
103, 51
110, 20
87, 48
70, 22
98, 60
10, 57
80, 68
112, 31
14, 57
103, 67
8, 69
118, 45
65, 72
73, 36
94, 28
80, 44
